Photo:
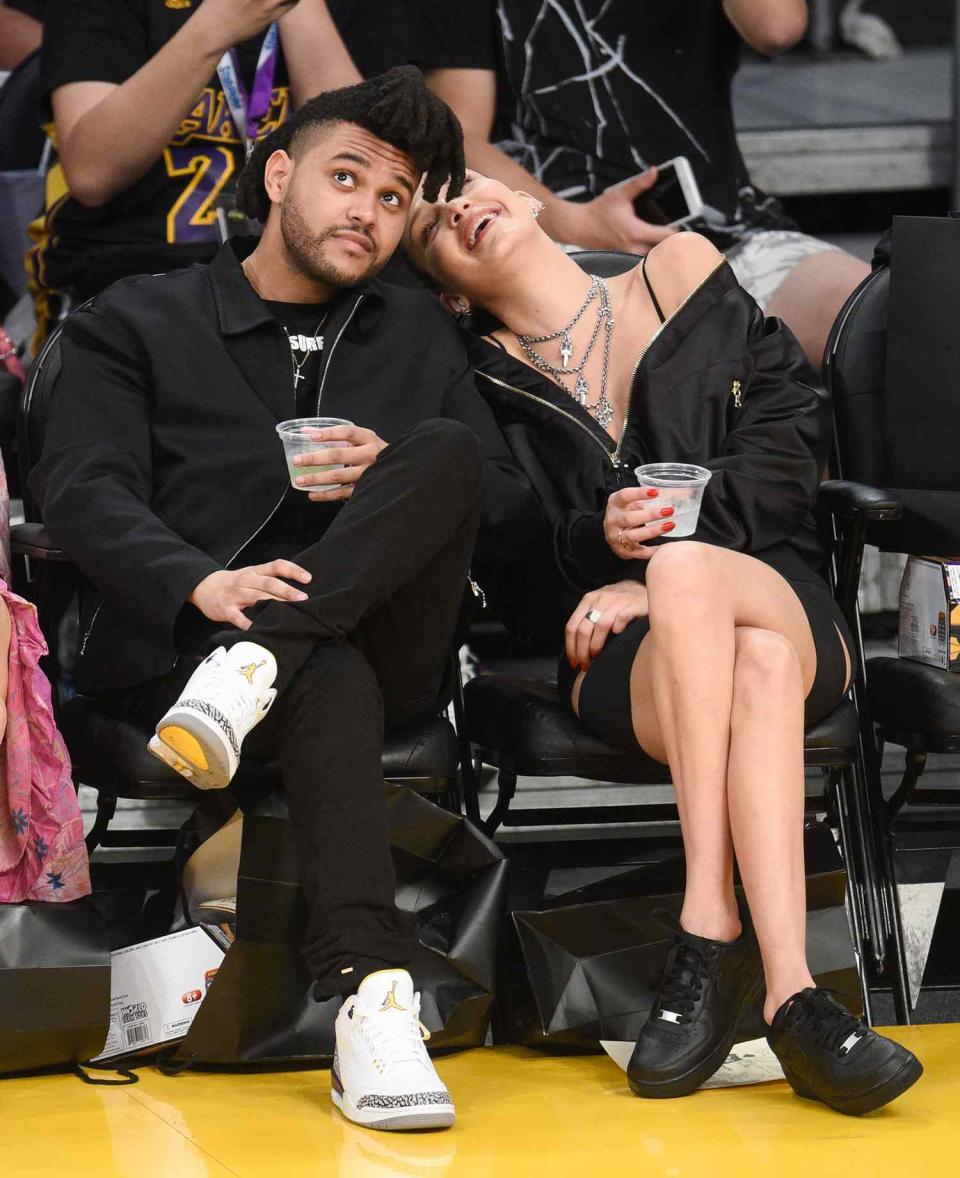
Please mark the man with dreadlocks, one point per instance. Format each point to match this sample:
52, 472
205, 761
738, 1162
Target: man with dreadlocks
331, 603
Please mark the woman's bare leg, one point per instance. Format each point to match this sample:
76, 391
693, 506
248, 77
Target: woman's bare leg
810, 297
736, 759
765, 790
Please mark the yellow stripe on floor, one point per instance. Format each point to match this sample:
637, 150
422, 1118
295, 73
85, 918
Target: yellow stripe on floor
518, 1113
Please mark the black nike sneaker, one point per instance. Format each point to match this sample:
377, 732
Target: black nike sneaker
830, 1055
707, 987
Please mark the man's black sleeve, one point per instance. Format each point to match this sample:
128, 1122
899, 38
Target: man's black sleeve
94, 480
510, 513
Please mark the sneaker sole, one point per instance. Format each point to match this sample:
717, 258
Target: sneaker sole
185, 743
689, 1082
428, 1117
868, 1102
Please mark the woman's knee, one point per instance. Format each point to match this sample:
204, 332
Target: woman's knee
681, 568
766, 667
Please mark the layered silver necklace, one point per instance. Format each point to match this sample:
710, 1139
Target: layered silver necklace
601, 410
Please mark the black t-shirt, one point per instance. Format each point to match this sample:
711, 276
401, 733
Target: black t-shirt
298, 521
167, 218
34, 8
593, 93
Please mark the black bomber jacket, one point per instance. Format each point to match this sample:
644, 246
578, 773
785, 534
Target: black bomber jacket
718, 385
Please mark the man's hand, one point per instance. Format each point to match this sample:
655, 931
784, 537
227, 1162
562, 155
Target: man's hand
632, 517
226, 23
223, 596
609, 222
617, 606
351, 448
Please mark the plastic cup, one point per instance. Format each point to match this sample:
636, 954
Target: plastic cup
296, 441
681, 487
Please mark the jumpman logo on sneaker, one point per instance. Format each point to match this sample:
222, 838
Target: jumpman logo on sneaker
390, 1002
250, 670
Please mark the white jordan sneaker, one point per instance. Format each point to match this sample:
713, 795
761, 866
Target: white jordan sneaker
226, 696
382, 1076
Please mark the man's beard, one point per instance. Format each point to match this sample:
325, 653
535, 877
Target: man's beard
307, 253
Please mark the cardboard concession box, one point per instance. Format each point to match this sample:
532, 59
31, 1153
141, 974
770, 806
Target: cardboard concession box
156, 989
930, 612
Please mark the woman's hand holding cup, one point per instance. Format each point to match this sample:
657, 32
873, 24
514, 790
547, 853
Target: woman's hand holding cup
634, 517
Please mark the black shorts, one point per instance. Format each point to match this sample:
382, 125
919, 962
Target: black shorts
605, 692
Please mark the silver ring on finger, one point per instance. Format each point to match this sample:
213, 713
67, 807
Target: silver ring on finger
594, 616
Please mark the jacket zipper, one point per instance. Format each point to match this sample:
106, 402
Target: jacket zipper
93, 620
650, 342
346, 324
556, 408
323, 381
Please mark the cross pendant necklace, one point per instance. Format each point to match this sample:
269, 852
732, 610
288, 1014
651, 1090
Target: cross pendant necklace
566, 349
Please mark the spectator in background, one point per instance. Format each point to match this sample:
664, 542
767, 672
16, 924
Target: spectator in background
148, 140
20, 30
573, 103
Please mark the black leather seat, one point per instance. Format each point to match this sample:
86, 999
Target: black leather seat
909, 695
911, 704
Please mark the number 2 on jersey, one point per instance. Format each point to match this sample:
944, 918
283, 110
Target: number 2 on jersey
209, 168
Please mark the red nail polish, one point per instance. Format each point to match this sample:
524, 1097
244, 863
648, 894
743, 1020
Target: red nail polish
652, 494
667, 527
666, 511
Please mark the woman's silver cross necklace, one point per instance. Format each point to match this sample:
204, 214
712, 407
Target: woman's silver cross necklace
602, 410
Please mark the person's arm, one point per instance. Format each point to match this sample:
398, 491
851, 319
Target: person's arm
769, 26
20, 36
606, 222
317, 59
94, 480
510, 515
109, 135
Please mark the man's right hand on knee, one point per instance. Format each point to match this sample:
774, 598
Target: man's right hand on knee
224, 595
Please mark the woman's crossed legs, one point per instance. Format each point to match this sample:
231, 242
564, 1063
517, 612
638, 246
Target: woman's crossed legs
717, 692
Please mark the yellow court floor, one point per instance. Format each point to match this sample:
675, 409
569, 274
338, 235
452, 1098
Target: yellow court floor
519, 1112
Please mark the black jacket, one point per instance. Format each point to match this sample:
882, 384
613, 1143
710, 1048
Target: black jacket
161, 461
719, 386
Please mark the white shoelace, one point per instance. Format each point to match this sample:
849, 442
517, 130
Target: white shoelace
397, 1039
237, 698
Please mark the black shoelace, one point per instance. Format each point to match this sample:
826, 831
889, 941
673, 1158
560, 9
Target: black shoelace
825, 1020
686, 973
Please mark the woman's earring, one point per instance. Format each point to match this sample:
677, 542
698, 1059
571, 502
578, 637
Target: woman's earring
463, 307
538, 207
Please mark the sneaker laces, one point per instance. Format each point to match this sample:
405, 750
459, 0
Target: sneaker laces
818, 1014
241, 700
396, 1039
687, 970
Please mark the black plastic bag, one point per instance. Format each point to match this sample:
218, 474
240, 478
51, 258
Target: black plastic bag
54, 985
584, 968
259, 1009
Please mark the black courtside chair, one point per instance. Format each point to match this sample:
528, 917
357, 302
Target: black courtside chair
109, 752
910, 704
516, 723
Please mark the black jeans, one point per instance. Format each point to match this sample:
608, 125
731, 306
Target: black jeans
369, 648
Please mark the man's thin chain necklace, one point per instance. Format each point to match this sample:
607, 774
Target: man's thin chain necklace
298, 367
602, 410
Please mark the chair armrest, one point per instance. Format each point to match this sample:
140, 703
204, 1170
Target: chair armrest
32, 540
857, 501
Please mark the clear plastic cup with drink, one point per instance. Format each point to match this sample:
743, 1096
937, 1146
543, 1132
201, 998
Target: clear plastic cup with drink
680, 486
297, 439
